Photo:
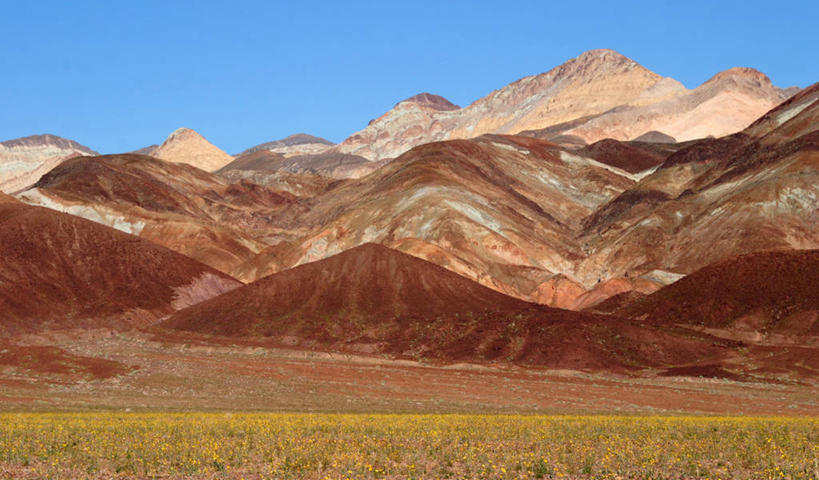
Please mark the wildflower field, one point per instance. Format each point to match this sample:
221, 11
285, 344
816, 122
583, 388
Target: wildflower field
319, 446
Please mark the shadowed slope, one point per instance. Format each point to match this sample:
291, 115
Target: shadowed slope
623, 155
61, 271
764, 291
260, 160
375, 299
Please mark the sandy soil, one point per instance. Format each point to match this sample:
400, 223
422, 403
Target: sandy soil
180, 374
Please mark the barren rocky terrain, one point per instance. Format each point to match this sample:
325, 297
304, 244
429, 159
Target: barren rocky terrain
596, 237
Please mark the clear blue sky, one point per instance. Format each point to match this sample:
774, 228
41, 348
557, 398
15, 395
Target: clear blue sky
119, 75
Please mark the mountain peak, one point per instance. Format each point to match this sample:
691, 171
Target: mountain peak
596, 65
606, 54
187, 146
431, 100
181, 133
603, 57
740, 74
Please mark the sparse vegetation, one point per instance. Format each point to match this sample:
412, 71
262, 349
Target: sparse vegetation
212, 445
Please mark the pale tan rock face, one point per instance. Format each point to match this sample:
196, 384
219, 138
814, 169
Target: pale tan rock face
600, 94
24, 160
186, 146
725, 104
590, 84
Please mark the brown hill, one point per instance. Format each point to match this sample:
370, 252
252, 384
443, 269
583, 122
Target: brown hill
302, 184
797, 116
60, 271
628, 157
614, 303
271, 169
764, 291
149, 150
323, 162
377, 300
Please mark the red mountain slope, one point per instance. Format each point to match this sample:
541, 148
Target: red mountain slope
61, 271
763, 291
375, 299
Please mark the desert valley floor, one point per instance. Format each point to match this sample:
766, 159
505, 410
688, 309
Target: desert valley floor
593, 272
135, 371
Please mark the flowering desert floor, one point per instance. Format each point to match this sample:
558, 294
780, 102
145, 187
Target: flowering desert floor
102, 405
338, 446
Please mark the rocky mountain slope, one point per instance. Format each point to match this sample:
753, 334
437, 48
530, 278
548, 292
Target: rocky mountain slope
61, 271
501, 210
175, 205
520, 215
538, 222
755, 190
600, 94
725, 104
24, 160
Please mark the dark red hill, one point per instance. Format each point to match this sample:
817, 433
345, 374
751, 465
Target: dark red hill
764, 291
623, 155
61, 271
377, 300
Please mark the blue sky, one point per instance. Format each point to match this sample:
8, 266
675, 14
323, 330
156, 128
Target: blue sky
120, 75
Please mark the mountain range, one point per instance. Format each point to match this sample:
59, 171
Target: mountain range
594, 217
